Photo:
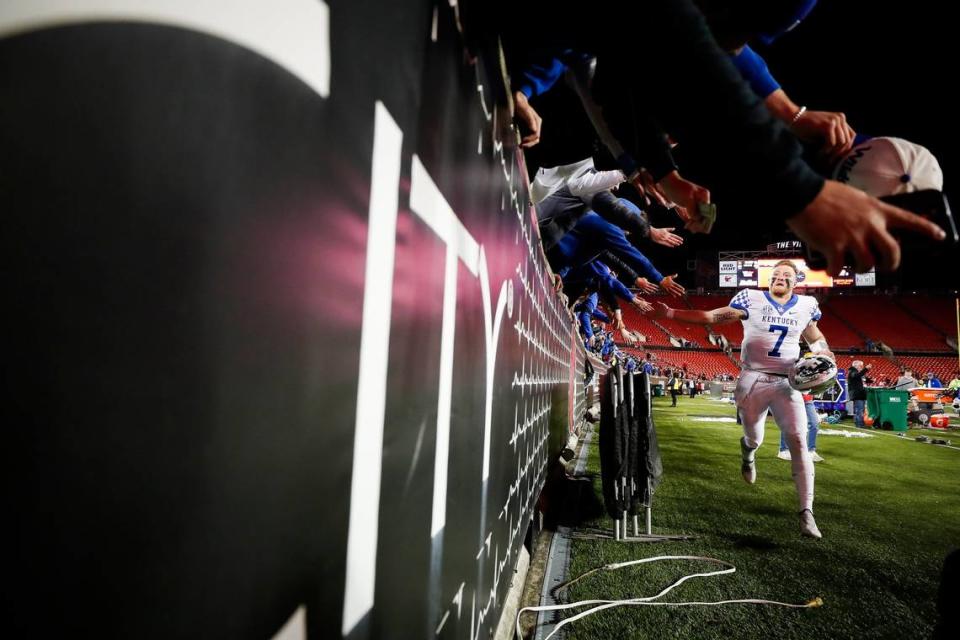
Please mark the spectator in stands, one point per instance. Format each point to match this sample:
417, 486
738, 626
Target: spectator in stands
592, 235
607, 350
832, 218
870, 345
856, 390
933, 382
598, 281
879, 166
906, 381
735, 23
691, 387
813, 423
564, 194
586, 310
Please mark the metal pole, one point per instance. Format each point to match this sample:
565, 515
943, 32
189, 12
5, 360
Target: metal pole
625, 505
630, 487
649, 523
623, 384
615, 393
616, 521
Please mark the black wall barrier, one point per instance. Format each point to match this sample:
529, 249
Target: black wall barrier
284, 354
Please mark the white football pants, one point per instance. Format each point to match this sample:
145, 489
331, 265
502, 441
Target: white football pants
758, 393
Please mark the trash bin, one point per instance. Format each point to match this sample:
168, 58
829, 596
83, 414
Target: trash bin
888, 408
658, 389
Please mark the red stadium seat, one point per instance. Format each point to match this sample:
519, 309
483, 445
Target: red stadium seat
695, 362
837, 332
636, 321
880, 318
943, 367
939, 312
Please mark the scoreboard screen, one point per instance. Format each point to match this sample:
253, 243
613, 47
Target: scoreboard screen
756, 273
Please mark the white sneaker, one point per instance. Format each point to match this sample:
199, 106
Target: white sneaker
748, 467
784, 455
816, 457
808, 526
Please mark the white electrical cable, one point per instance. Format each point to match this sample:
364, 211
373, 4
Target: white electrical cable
609, 604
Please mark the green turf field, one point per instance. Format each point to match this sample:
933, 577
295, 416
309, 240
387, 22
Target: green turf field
889, 510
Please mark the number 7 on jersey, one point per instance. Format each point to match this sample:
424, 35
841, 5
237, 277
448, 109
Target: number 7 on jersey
775, 352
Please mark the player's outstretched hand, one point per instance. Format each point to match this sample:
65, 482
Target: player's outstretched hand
660, 310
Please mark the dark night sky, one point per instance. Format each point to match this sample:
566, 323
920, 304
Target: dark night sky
891, 68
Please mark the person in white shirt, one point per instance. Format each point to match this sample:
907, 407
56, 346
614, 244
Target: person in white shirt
906, 381
773, 323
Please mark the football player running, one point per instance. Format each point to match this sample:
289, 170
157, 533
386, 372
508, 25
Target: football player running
773, 323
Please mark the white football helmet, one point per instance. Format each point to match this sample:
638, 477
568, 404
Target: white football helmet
813, 374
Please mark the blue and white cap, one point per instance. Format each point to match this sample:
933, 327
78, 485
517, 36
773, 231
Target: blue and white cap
888, 166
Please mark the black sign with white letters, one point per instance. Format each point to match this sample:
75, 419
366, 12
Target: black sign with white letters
285, 354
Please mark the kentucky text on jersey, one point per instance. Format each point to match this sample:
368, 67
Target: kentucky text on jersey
779, 320
771, 330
